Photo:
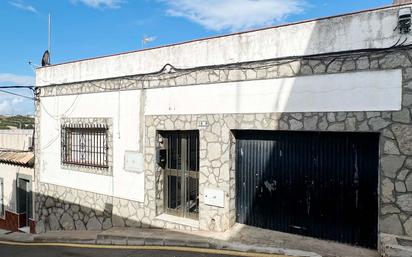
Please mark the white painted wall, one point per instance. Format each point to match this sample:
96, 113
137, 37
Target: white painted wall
359, 91
125, 137
9, 175
373, 29
17, 139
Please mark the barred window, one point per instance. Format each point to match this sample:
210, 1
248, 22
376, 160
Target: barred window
85, 145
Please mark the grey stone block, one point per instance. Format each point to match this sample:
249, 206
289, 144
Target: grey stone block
390, 147
402, 116
103, 241
154, 241
404, 202
295, 124
403, 134
403, 174
135, 241
93, 224
387, 193
119, 241
378, 123
400, 187
391, 225
391, 164
408, 183
390, 209
67, 222
198, 244
310, 123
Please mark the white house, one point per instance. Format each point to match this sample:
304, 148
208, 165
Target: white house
16, 179
303, 128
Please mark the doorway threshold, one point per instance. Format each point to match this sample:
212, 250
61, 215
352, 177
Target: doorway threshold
178, 220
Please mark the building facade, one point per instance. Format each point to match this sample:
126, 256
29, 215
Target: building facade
247, 128
16, 179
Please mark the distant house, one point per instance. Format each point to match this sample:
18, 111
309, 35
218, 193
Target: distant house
303, 128
16, 176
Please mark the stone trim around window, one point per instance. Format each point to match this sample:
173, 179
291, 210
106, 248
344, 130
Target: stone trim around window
92, 122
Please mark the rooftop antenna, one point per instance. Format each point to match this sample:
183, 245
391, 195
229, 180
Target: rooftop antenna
45, 60
146, 39
49, 45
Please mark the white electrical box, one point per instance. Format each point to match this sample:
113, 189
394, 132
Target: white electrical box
133, 161
214, 197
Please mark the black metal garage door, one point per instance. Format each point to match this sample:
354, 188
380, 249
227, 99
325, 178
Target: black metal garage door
319, 184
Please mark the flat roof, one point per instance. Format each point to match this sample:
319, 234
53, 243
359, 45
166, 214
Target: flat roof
226, 35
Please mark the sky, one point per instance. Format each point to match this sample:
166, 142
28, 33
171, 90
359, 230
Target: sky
89, 28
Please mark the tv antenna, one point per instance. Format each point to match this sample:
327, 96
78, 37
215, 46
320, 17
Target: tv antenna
49, 44
146, 39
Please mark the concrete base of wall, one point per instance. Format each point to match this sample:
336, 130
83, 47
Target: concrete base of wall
395, 246
12, 221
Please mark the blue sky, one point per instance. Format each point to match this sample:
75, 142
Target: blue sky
89, 28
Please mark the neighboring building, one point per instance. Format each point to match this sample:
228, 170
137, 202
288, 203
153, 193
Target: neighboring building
16, 177
303, 128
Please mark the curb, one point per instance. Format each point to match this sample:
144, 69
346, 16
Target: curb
146, 247
207, 243
160, 242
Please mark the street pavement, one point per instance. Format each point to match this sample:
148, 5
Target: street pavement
59, 251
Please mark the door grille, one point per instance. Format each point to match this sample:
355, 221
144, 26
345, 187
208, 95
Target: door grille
181, 175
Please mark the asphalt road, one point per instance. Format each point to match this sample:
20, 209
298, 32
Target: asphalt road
59, 251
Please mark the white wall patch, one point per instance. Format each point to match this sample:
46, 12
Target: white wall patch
353, 91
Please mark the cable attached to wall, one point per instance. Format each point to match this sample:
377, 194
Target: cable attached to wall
169, 69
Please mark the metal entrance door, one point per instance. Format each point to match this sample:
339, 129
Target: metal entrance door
319, 184
24, 195
181, 192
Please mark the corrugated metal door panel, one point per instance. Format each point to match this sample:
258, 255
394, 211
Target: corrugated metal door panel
319, 184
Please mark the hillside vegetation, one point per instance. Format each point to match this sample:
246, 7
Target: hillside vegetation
16, 122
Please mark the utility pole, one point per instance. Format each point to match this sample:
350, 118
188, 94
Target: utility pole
49, 45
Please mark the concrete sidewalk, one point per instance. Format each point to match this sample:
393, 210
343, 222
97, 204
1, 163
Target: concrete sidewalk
239, 238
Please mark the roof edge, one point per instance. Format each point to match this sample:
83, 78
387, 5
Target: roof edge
225, 35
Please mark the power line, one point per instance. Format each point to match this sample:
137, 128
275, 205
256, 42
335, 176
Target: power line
26, 87
11, 93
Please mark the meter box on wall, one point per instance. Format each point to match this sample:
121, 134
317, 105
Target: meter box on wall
133, 162
214, 197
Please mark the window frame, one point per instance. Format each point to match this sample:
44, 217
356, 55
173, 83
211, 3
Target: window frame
103, 125
74, 151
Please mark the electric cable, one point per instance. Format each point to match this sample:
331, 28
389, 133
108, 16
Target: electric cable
272, 62
15, 94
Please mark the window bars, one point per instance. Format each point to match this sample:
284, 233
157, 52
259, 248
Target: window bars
84, 145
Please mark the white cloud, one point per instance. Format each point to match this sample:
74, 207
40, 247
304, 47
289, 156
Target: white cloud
20, 4
234, 15
16, 100
100, 3
14, 79
15, 105
5, 107
11, 104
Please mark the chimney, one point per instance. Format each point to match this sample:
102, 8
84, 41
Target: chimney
398, 2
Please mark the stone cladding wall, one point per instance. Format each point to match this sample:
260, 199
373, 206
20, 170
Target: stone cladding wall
65, 208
